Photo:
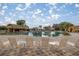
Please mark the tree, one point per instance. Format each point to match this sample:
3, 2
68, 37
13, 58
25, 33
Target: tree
10, 24
40, 26
20, 22
2, 27
65, 25
56, 26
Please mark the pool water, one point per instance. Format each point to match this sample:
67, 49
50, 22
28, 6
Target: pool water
41, 34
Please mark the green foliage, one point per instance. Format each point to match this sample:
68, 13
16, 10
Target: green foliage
65, 25
20, 22
2, 27
10, 24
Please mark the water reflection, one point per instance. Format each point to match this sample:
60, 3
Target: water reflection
42, 34
37, 33
47, 33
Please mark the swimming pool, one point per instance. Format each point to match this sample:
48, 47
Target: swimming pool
41, 34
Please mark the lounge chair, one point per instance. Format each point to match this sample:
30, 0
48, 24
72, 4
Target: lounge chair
29, 42
45, 42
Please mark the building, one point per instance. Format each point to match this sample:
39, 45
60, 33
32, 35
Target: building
73, 29
17, 28
48, 28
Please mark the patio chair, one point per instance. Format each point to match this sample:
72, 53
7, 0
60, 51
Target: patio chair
63, 42
45, 42
13, 42
1, 45
77, 44
38, 43
29, 42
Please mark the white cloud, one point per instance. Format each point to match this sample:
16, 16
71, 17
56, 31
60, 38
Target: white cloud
50, 11
49, 17
58, 9
42, 14
55, 7
43, 20
19, 7
5, 7
55, 16
53, 4
34, 16
76, 5
53, 10
27, 5
37, 11
8, 20
1, 23
63, 6
47, 24
12, 14
2, 12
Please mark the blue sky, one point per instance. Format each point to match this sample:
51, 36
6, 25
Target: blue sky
37, 14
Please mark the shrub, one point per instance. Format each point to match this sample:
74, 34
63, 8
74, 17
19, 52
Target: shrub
65, 33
